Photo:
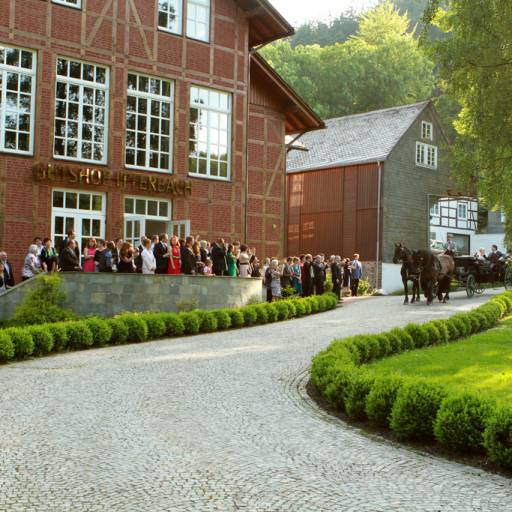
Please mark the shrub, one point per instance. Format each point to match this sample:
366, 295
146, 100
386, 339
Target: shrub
336, 383
483, 319
120, 330
381, 399
207, 321
307, 306
453, 330
498, 437
60, 336
475, 322
501, 304
322, 302
464, 324
43, 303
418, 335
101, 331
442, 329
272, 312
460, 422
394, 341
359, 342
156, 325
282, 309
137, 327
173, 324
287, 292
384, 345
43, 339
415, 410
332, 300
79, 334
250, 315
191, 323
237, 317
358, 388
328, 285
432, 333
6, 347
300, 309
313, 303
365, 287
406, 341
223, 318
292, 310
261, 314
22, 341
507, 299
373, 347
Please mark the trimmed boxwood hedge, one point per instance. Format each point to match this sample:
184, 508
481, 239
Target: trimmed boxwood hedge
38, 340
413, 407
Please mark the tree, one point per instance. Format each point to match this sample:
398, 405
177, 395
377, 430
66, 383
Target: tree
380, 66
475, 58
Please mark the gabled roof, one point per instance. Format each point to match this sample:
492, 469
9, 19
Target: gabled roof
355, 139
299, 115
266, 24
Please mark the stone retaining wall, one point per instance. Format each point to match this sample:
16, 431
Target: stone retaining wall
105, 294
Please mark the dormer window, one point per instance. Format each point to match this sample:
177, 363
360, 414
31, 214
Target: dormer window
427, 130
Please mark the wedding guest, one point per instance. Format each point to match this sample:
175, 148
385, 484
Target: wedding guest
89, 253
356, 273
336, 276
319, 274
3, 286
39, 242
208, 267
48, 256
275, 285
231, 260
296, 275
69, 261
188, 259
162, 254
244, 262
31, 264
106, 259
126, 264
218, 255
174, 256
100, 247
116, 253
8, 273
309, 275
148, 258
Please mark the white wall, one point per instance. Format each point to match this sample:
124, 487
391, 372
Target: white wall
486, 240
391, 278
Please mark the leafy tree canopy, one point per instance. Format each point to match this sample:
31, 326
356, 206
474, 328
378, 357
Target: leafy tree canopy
380, 66
475, 58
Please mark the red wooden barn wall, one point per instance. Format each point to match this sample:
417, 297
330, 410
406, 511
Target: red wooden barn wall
334, 211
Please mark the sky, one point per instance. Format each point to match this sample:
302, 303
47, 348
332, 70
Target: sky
298, 11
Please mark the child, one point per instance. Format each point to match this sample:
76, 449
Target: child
207, 269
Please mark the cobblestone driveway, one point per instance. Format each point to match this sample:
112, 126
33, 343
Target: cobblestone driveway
216, 422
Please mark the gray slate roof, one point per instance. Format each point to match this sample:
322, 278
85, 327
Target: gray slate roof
355, 139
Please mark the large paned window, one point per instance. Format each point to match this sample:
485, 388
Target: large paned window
17, 99
170, 15
80, 211
198, 19
210, 133
426, 155
81, 111
149, 123
71, 3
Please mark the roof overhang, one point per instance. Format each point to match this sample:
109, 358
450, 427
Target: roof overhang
266, 24
334, 165
300, 117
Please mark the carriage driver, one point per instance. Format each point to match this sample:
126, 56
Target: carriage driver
449, 246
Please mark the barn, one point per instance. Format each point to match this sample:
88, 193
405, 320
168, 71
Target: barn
364, 183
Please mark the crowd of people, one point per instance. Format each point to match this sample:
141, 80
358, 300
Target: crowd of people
162, 254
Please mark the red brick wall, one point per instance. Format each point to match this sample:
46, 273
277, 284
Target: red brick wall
122, 37
267, 173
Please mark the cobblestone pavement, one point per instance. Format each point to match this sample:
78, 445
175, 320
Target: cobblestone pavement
216, 422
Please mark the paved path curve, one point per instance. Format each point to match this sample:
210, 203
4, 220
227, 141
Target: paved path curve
216, 422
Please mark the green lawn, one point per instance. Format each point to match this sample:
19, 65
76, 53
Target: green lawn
482, 363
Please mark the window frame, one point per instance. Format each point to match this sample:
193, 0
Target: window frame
208, 24
423, 149
83, 83
465, 206
66, 3
149, 96
427, 130
180, 19
4, 69
229, 147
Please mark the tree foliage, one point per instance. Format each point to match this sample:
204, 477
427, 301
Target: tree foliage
475, 58
380, 66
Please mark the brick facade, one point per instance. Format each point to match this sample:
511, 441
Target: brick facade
123, 36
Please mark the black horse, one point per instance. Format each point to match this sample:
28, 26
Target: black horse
435, 274
409, 272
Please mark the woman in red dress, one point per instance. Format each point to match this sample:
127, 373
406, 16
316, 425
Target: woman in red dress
175, 257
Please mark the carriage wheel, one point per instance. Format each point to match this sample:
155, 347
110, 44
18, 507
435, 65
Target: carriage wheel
508, 279
471, 286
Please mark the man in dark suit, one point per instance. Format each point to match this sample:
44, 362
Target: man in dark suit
8, 276
69, 261
336, 275
220, 266
188, 261
161, 253
319, 273
307, 276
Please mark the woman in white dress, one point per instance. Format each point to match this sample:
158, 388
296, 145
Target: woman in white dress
148, 258
244, 260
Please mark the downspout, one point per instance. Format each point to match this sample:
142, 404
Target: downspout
379, 186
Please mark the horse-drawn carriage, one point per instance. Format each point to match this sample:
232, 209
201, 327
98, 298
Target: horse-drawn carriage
434, 271
473, 274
